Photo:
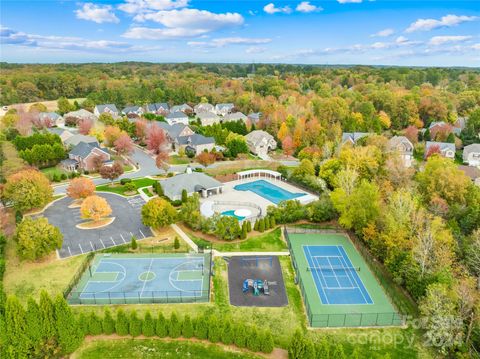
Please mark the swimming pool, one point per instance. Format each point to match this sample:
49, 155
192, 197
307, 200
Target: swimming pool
231, 213
268, 191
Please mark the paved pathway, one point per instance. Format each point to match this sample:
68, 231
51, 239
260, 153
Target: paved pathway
185, 237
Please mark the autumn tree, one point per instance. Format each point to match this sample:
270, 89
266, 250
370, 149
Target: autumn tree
106, 119
433, 150
141, 130
205, 158
27, 189
111, 172
124, 144
84, 126
158, 213
64, 105
282, 132
287, 146
95, 208
411, 132
157, 140
36, 238
111, 133
80, 188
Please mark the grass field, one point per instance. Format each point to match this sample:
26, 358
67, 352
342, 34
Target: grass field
379, 312
52, 171
178, 160
267, 242
120, 189
149, 348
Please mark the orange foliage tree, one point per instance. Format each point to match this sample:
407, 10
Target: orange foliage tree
95, 208
80, 188
206, 158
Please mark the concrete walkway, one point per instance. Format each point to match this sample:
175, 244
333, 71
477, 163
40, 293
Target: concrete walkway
185, 237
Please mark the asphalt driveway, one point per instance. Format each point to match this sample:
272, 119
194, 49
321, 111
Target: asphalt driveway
76, 241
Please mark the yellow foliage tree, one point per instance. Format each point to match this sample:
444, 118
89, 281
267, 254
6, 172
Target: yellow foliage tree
282, 132
95, 208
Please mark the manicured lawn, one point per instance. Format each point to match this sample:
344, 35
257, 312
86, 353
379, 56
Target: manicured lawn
151, 348
268, 242
52, 171
120, 189
147, 192
178, 160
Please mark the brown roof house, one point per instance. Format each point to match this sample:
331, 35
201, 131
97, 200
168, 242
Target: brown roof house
402, 146
84, 157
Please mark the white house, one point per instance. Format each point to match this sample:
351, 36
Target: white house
260, 142
185, 108
471, 154
353, 137
132, 111
403, 147
203, 107
161, 108
109, 108
446, 150
51, 118
61, 132
176, 117
235, 116
81, 114
208, 118
222, 109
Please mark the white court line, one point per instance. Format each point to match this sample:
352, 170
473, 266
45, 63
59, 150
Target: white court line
142, 233
323, 290
359, 289
80, 247
122, 238
145, 282
333, 271
103, 244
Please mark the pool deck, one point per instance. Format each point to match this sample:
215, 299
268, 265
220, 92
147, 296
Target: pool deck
230, 194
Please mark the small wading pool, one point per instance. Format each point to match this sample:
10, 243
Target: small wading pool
268, 191
239, 214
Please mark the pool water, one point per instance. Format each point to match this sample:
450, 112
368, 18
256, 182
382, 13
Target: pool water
231, 213
268, 191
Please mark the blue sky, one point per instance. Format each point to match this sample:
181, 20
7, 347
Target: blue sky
380, 32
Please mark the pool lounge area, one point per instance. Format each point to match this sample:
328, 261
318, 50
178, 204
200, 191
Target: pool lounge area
268, 190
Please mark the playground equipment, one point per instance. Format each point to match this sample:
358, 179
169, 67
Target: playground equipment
257, 286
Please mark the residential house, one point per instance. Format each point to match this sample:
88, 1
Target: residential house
83, 156
192, 182
176, 117
64, 134
472, 172
260, 143
403, 147
445, 149
182, 136
203, 107
77, 138
132, 111
441, 127
51, 119
460, 123
72, 118
161, 108
182, 108
109, 108
353, 137
255, 117
235, 116
222, 109
471, 154
208, 118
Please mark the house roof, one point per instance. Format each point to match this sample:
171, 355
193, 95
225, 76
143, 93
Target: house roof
228, 106
354, 136
473, 148
69, 162
157, 106
110, 106
235, 116
444, 146
203, 107
189, 181
76, 139
437, 123
130, 109
82, 113
83, 149
57, 130
397, 140
470, 171
52, 115
172, 130
177, 114
181, 107
195, 140
255, 116
207, 116
257, 136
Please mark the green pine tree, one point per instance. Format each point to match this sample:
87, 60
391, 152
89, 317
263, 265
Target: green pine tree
174, 326
322, 349
261, 226
135, 324
273, 223
108, 324
267, 342
249, 226
70, 336
267, 223
148, 326
338, 352
355, 354
240, 335
122, 323
213, 330
34, 324
184, 195
176, 243
133, 243
201, 327
227, 333
309, 352
47, 315
296, 349
187, 327
255, 226
244, 230
17, 342
161, 328
83, 323
94, 324
252, 339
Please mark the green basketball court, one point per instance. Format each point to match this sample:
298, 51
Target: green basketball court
338, 288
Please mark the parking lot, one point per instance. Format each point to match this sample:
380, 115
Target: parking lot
127, 223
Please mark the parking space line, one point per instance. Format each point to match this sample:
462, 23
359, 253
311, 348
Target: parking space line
123, 238
131, 234
91, 245
69, 251
142, 233
103, 244
80, 247
111, 238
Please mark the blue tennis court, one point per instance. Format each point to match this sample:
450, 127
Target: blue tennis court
120, 278
335, 277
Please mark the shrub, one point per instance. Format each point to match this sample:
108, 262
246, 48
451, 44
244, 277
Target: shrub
244, 230
108, 324
133, 243
261, 225
273, 224
201, 327
130, 187
63, 176
161, 328
227, 333
148, 326
122, 323
174, 326
266, 342
83, 323
253, 339
214, 329
249, 226
240, 336
267, 223
135, 325
94, 324
255, 226
177, 203
176, 243
184, 195
187, 327
124, 181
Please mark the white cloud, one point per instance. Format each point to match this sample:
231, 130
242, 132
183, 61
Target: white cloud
138, 6
440, 40
349, 1
182, 23
271, 9
255, 50
476, 46
306, 7
384, 33
96, 13
12, 37
222, 42
445, 21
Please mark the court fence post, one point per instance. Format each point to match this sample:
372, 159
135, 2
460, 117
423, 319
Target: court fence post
376, 321
124, 299
109, 298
